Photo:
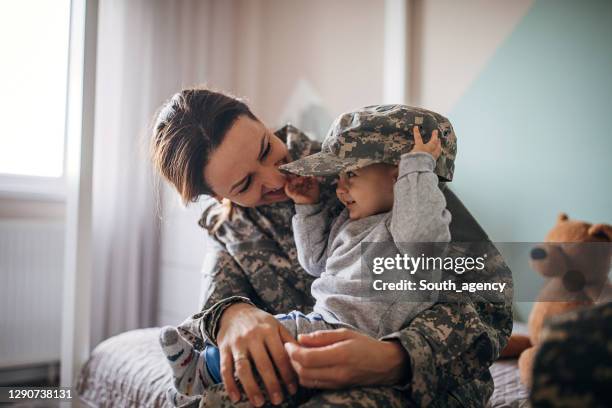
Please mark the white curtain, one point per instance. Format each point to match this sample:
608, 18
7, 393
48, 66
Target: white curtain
147, 50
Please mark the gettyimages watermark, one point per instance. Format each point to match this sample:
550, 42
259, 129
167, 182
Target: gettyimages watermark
486, 272
22, 396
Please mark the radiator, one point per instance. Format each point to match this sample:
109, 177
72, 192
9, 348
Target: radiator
31, 258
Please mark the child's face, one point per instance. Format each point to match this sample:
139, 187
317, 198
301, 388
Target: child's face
367, 191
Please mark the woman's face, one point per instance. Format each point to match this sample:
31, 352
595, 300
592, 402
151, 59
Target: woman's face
244, 167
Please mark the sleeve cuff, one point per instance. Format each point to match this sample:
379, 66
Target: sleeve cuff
423, 382
308, 209
210, 318
416, 162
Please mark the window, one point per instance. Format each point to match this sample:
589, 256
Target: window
34, 40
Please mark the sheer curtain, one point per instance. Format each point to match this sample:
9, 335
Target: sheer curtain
147, 50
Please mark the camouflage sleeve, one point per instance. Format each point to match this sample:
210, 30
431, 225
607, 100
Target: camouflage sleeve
223, 284
574, 347
450, 345
222, 277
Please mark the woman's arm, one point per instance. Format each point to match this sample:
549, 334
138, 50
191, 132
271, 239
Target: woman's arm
250, 339
442, 348
222, 277
223, 284
232, 322
451, 344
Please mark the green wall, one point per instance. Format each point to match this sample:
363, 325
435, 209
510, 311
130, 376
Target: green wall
535, 128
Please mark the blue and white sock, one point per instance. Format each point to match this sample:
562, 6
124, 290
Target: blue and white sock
191, 377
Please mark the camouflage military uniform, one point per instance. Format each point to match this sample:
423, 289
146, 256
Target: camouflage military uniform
573, 367
450, 345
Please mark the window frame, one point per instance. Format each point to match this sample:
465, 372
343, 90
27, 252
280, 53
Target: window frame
40, 188
35, 188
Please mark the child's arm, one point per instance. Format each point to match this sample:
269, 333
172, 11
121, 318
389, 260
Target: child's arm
419, 208
311, 223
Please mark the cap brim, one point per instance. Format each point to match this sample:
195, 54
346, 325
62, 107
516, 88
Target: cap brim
318, 164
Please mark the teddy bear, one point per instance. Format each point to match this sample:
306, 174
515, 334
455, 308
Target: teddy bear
576, 276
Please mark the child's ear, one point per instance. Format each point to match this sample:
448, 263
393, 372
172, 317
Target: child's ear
395, 173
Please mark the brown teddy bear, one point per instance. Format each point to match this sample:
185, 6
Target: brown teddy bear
577, 276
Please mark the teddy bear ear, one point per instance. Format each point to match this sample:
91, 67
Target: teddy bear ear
603, 231
562, 217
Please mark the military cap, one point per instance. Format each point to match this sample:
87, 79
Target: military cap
377, 134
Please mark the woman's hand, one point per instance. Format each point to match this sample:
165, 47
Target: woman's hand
432, 147
302, 190
342, 358
250, 339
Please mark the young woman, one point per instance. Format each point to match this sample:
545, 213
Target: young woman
209, 143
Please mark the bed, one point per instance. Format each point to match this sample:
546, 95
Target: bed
129, 370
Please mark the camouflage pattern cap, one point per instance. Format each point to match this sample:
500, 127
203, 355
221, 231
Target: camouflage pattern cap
377, 134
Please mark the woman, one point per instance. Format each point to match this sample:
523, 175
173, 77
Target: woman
209, 143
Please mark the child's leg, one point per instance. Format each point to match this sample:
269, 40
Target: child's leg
195, 370
179, 400
191, 376
299, 323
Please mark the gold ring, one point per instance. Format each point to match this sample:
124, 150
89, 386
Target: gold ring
239, 357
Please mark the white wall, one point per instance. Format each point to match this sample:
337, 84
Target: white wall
454, 41
182, 251
31, 265
335, 46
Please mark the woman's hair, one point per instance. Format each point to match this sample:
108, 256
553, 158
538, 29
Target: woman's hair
187, 129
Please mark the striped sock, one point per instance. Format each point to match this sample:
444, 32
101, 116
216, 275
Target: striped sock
188, 365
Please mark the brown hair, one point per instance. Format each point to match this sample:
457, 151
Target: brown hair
188, 128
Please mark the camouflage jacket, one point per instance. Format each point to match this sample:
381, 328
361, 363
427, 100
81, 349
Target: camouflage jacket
573, 367
451, 345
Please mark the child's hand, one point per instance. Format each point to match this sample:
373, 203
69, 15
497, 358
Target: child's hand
302, 190
432, 147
